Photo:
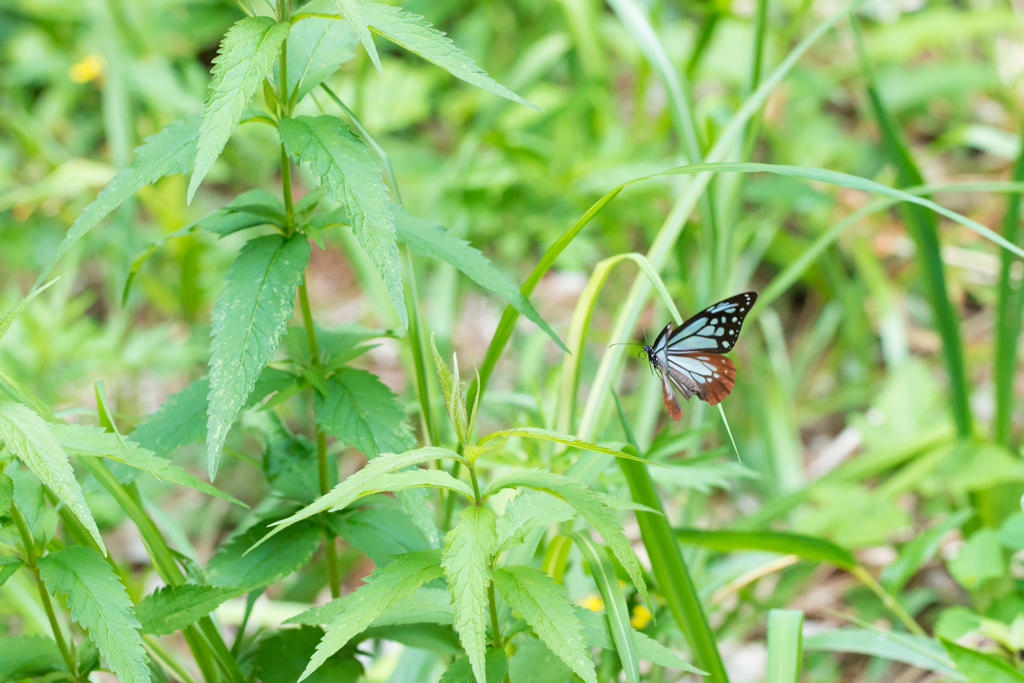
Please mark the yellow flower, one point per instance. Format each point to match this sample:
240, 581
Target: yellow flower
87, 69
641, 617
593, 602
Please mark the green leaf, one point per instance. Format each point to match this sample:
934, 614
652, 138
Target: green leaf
5, 322
382, 589
6, 494
247, 210
238, 563
9, 565
281, 657
461, 671
30, 438
244, 59
589, 505
170, 151
785, 645
603, 572
979, 560
354, 16
919, 551
598, 631
528, 511
316, 48
807, 547
380, 531
28, 656
415, 34
181, 419
374, 477
100, 604
172, 608
87, 440
361, 411
433, 240
248, 319
426, 605
343, 164
31, 500
980, 667
451, 390
543, 604
923, 653
468, 549
558, 437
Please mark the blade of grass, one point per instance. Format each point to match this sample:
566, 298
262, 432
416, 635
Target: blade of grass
785, 645
670, 571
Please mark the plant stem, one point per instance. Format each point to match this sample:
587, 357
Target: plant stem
888, 600
476, 486
44, 595
495, 629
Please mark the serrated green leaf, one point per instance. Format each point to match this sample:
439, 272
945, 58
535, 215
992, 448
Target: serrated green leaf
345, 169
543, 604
30, 438
361, 411
6, 494
9, 565
589, 505
380, 531
248, 319
172, 608
181, 419
980, 667
370, 479
603, 573
595, 625
462, 672
317, 47
8, 319
244, 59
31, 500
433, 240
28, 656
100, 604
88, 657
468, 549
527, 511
425, 606
281, 657
238, 563
558, 437
350, 9
382, 589
451, 390
87, 440
170, 151
415, 34
416, 506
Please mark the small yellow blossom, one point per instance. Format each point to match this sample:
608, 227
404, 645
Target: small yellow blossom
593, 602
641, 617
87, 69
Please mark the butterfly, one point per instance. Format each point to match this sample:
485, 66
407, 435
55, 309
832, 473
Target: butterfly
689, 357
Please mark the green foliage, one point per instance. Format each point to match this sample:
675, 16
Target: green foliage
245, 57
598, 632
342, 163
6, 494
529, 510
317, 47
172, 608
451, 390
30, 438
785, 645
240, 564
542, 603
351, 10
362, 411
99, 603
9, 565
468, 549
28, 656
282, 656
250, 315
461, 671
978, 666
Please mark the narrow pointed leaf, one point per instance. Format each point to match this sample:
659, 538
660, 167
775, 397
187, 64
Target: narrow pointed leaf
598, 631
543, 604
100, 604
528, 511
589, 505
244, 59
248, 319
468, 549
980, 667
461, 671
29, 437
425, 606
345, 169
361, 411
433, 240
382, 589
9, 565
350, 9
415, 34
807, 547
173, 608
240, 564
316, 48
558, 437
5, 322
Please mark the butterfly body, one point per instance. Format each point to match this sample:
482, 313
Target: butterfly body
690, 357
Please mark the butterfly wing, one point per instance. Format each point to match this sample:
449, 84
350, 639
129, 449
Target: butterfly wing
714, 330
708, 376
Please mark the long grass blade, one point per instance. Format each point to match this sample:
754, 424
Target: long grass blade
785, 645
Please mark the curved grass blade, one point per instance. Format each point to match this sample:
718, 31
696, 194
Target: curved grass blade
785, 645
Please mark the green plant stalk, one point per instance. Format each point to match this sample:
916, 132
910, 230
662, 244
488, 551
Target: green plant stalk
416, 345
1008, 317
44, 595
495, 627
888, 600
670, 570
785, 645
167, 658
923, 227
